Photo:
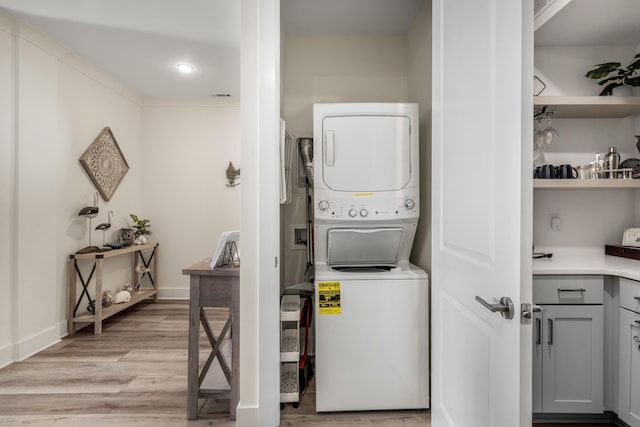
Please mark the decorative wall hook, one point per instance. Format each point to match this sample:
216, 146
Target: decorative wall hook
544, 86
232, 174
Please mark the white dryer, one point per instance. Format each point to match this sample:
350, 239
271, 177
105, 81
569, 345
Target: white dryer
371, 311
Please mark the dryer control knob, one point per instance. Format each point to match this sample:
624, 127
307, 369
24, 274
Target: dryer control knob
363, 212
409, 204
352, 213
323, 205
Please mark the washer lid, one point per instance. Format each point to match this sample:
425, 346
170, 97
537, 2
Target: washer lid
364, 246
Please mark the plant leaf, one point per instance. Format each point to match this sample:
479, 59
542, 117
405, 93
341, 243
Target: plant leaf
603, 70
617, 79
635, 64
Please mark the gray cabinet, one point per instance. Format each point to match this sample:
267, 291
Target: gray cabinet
629, 355
537, 363
568, 353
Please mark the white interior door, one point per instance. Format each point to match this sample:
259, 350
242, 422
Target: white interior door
481, 219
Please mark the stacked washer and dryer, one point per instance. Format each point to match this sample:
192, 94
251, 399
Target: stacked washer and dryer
371, 303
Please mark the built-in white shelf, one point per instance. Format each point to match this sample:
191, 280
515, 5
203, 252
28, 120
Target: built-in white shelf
586, 184
590, 107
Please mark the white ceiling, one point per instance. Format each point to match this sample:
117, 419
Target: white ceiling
140, 41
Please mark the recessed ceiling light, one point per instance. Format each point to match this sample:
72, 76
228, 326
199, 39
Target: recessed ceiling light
185, 68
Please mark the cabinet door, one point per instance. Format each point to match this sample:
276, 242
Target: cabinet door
629, 374
573, 359
537, 363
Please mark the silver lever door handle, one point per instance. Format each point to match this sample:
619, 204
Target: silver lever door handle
505, 308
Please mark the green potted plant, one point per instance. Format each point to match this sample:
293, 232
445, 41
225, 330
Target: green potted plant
141, 227
622, 76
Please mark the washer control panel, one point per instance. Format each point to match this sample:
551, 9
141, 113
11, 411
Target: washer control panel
366, 206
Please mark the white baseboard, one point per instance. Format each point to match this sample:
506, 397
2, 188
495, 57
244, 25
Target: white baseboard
63, 328
36, 343
173, 293
5, 355
247, 416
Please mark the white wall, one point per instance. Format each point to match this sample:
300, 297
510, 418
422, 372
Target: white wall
563, 68
6, 189
186, 148
260, 216
55, 104
332, 68
335, 68
589, 217
419, 83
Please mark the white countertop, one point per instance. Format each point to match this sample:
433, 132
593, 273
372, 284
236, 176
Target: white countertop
585, 260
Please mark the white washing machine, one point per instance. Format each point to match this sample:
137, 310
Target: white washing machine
372, 348
371, 304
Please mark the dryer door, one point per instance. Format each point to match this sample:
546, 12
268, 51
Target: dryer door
366, 153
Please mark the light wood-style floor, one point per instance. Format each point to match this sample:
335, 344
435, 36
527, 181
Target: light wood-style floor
134, 374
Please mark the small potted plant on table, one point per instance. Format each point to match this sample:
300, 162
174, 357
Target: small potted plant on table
141, 227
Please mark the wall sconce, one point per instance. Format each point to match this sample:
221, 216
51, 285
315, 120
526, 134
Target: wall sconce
232, 174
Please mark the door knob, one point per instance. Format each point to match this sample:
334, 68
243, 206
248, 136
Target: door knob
527, 310
505, 308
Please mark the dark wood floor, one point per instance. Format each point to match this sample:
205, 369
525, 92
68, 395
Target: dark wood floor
134, 374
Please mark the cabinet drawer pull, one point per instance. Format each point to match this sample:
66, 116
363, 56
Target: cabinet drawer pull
638, 322
636, 298
572, 290
636, 339
550, 342
538, 332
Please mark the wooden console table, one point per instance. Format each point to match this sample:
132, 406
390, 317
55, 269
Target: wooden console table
219, 287
137, 255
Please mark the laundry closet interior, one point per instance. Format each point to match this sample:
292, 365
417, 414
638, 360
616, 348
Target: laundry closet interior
321, 65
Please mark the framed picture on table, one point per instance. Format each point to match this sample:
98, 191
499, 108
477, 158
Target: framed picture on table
631, 237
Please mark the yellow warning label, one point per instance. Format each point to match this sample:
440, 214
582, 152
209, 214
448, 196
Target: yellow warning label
329, 297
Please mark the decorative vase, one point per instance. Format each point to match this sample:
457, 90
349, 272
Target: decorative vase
621, 91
